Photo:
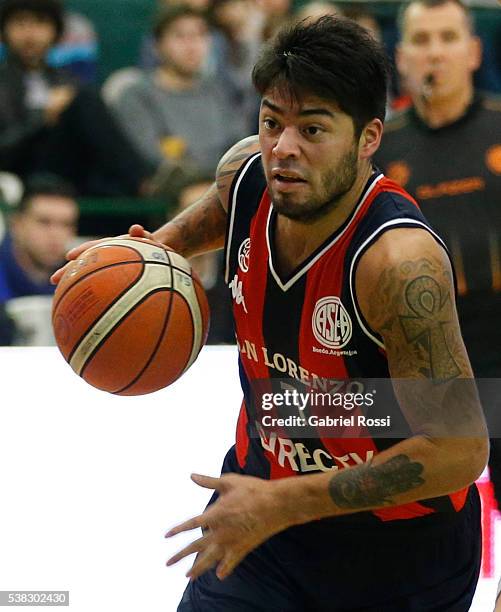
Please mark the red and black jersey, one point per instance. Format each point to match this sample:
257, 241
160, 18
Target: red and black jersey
309, 326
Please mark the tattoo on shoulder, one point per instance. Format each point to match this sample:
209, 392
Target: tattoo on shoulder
230, 163
368, 486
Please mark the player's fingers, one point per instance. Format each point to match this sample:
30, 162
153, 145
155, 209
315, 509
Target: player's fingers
205, 560
58, 274
138, 231
227, 565
197, 521
208, 482
194, 547
78, 250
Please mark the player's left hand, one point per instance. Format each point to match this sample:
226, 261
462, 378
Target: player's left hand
246, 513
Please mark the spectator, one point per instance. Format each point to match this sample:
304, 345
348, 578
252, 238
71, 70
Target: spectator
275, 13
40, 230
236, 42
47, 123
178, 118
148, 56
446, 150
77, 50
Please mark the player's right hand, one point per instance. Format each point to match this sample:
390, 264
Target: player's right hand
136, 231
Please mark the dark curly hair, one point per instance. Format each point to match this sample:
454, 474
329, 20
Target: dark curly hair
332, 58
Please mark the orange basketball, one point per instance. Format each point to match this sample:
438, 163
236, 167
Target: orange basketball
130, 316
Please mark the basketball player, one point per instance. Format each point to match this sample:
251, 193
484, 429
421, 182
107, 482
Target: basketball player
334, 274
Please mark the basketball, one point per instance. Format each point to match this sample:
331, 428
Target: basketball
130, 316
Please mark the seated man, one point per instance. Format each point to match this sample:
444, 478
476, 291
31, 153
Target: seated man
47, 123
40, 230
177, 117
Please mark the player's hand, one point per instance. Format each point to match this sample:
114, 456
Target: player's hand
136, 231
246, 514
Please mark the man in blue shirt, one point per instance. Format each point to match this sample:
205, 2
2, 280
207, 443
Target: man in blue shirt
40, 230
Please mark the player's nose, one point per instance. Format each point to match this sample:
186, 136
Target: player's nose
287, 144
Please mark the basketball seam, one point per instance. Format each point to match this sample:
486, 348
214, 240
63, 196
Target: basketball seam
113, 265
119, 263
118, 323
101, 314
160, 337
123, 319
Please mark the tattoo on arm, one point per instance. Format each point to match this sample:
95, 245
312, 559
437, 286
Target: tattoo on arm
413, 310
368, 486
412, 307
431, 311
202, 226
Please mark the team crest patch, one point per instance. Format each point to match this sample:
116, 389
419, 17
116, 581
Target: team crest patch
331, 323
243, 255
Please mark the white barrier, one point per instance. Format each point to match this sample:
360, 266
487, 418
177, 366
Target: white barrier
89, 482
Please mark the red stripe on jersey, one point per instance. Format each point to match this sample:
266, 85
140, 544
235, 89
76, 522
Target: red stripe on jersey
392, 187
249, 326
407, 511
458, 499
242, 439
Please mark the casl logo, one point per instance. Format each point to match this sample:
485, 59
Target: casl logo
331, 323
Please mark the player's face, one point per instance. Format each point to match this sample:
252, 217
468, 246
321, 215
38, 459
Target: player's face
184, 45
309, 153
42, 233
29, 36
437, 41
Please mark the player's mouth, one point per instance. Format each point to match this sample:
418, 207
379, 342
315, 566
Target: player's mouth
285, 176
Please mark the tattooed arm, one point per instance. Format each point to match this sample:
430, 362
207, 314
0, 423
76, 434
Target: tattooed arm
405, 290
199, 228
202, 226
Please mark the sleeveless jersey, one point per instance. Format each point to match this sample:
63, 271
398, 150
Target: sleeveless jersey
278, 336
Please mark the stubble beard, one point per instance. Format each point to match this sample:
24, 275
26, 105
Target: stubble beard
335, 185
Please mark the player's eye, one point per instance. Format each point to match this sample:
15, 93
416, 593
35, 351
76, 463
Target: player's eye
313, 130
269, 124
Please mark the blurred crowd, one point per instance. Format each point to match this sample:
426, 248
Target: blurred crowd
158, 128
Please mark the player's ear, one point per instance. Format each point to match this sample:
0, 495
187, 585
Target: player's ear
370, 139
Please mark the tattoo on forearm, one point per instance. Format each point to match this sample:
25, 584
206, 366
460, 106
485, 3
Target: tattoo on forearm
203, 229
431, 309
368, 486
